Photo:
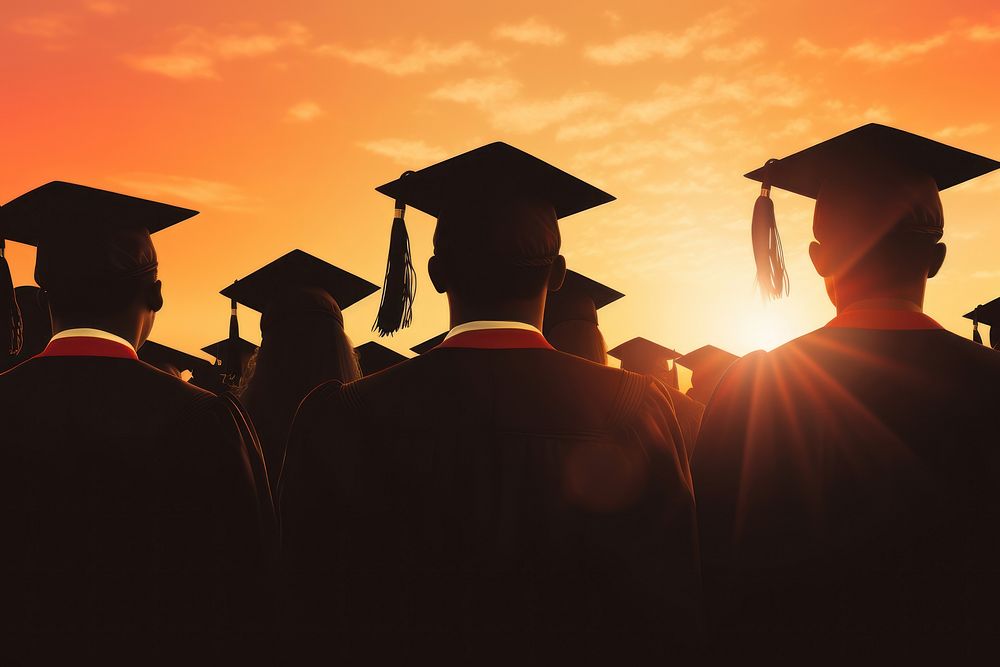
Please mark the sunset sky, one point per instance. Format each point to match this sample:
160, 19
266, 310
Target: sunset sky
278, 119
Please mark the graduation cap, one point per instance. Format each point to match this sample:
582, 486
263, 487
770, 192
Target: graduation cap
492, 174
429, 344
874, 147
642, 356
989, 314
374, 357
231, 355
166, 358
82, 234
579, 298
296, 282
708, 360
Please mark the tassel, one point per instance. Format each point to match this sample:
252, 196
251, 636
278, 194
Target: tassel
231, 362
399, 289
12, 336
976, 337
772, 278
673, 381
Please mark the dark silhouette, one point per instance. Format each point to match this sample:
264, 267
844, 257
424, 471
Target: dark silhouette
131, 521
493, 494
570, 322
429, 344
303, 339
847, 480
374, 357
35, 321
232, 357
988, 314
172, 361
644, 356
707, 365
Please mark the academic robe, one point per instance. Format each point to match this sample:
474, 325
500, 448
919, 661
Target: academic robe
132, 523
847, 488
491, 502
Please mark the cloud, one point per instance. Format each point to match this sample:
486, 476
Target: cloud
644, 46
986, 275
106, 7
958, 131
409, 152
478, 91
196, 54
500, 99
849, 114
734, 52
531, 31
50, 27
419, 58
983, 33
212, 194
176, 66
304, 112
763, 91
873, 52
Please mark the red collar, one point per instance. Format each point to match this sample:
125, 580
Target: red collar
884, 319
498, 339
85, 346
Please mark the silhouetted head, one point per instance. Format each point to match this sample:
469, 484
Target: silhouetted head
877, 230
495, 256
104, 280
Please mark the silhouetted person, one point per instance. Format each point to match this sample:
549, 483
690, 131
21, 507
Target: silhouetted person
640, 355
493, 496
570, 321
37, 327
232, 357
131, 522
707, 365
847, 481
303, 345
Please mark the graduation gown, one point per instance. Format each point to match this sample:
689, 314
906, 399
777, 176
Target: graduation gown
847, 488
132, 522
498, 500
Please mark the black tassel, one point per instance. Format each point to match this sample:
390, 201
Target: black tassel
232, 366
772, 278
10, 314
395, 311
976, 337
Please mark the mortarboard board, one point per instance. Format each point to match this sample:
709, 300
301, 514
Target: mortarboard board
989, 314
579, 298
493, 173
77, 230
296, 281
222, 349
298, 269
805, 173
158, 355
374, 357
429, 344
642, 355
707, 359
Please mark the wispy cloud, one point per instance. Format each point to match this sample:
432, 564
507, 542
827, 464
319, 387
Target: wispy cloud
531, 31
877, 53
734, 52
196, 54
409, 152
959, 131
179, 66
500, 99
986, 275
304, 112
420, 57
51, 26
106, 7
196, 191
639, 47
984, 33
763, 90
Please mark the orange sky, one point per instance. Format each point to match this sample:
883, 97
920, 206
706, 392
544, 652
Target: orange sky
277, 120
